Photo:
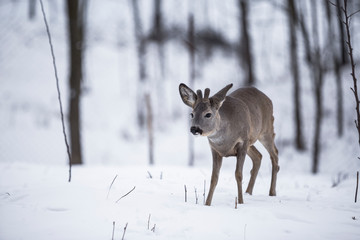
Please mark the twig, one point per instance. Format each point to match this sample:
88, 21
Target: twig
236, 202
111, 186
204, 192
124, 231
58, 88
196, 197
354, 89
149, 222
354, 13
153, 229
126, 194
112, 238
185, 193
150, 176
357, 185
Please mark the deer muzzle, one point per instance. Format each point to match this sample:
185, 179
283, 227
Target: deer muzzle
196, 130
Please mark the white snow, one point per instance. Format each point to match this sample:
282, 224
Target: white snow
37, 201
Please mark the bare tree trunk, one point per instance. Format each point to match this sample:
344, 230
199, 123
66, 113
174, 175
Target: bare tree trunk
292, 15
245, 54
158, 35
337, 69
150, 127
342, 42
158, 31
32, 9
339, 102
354, 89
141, 54
313, 59
191, 44
76, 14
318, 83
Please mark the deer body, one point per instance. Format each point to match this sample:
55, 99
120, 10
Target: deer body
233, 124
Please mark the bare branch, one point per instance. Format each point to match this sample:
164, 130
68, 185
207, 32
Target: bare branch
124, 231
354, 13
57, 87
185, 193
112, 238
354, 89
332, 3
126, 194
357, 185
153, 229
196, 197
111, 186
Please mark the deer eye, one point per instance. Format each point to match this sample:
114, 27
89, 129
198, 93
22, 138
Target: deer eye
208, 115
191, 115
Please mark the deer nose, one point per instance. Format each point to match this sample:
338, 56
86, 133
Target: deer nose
196, 130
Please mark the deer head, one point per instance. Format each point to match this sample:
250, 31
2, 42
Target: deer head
205, 111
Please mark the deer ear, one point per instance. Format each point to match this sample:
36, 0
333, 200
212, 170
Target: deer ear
218, 99
187, 95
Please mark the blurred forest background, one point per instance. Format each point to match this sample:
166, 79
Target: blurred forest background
120, 64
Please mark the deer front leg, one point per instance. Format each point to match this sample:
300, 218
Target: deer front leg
217, 161
241, 152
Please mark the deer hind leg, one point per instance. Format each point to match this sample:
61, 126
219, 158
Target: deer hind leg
241, 153
268, 141
255, 156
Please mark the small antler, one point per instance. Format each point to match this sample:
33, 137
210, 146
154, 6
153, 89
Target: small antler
199, 94
207, 93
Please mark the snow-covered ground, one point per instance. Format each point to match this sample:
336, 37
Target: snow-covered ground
37, 202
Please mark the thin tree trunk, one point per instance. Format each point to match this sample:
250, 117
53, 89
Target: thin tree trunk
292, 15
342, 34
245, 53
32, 9
191, 44
339, 102
76, 11
158, 31
313, 59
150, 127
318, 121
141, 54
318, 82
354, 89
337, 69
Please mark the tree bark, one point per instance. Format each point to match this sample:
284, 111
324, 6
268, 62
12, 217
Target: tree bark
354, 89
342, 34
245, 54
336, 63
318, 83
150, 128
191, 47
32, 9
158, 32
292, 15
141, 54
76, 10
313, 59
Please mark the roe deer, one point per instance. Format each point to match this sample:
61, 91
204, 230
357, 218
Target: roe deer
233, 124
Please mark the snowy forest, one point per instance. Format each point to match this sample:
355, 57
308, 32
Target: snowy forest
95, 140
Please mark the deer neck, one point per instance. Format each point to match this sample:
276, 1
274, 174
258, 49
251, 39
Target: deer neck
217, 136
